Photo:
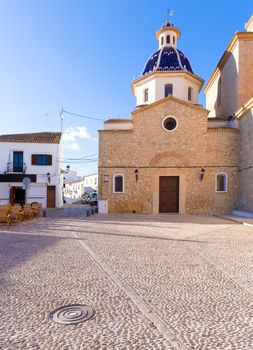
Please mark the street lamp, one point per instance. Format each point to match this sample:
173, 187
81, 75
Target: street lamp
62, 171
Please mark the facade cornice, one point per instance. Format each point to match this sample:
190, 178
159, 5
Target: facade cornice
185, 103
166, 29
238, 36
249, 23
241, 111
170, 73
223, 128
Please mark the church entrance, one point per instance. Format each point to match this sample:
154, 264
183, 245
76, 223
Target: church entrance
168, 194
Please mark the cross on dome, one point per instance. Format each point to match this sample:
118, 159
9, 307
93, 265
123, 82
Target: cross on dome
170, 13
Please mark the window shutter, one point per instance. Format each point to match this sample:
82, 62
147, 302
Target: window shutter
34, 159
49, 159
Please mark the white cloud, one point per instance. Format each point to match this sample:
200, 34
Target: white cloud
74, 146
79, 132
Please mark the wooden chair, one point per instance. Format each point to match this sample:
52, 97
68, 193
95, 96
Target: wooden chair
36, 207
5, 206
28, 212
5, 214
16, 213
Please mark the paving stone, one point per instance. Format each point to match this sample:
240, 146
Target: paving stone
155, 282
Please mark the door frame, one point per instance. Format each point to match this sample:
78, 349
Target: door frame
49, 188
175, 178
182, 189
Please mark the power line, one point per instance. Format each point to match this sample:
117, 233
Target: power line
81, 158
81, 115
80, 162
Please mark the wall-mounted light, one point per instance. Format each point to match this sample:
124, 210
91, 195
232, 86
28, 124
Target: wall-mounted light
62, 171
48, 177
202, 174
136, 174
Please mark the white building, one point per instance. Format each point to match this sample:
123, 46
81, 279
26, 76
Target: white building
76, 189
91, 180
73, 190
36, 156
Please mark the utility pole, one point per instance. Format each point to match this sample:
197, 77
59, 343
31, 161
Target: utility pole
61, 116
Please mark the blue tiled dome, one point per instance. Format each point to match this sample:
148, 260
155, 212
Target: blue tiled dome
168, 24
167, 59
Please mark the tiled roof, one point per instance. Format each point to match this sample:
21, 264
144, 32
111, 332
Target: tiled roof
118, 121
37, 137
168, 24
167, 59
217, 119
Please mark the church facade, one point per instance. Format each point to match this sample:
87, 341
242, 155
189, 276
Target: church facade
172, 155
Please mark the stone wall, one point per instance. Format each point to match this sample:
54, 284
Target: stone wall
245, 84
245, 188
182, 153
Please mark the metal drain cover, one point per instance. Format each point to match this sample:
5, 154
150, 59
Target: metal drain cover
71, 314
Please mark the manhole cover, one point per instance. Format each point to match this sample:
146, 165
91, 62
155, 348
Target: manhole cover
71, 314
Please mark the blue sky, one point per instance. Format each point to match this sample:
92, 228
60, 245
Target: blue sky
83, 54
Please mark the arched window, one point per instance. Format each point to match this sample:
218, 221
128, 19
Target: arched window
162, 40
174, 40
168, 39
118, 183
221, 182
189, 94
145, 95
168, 90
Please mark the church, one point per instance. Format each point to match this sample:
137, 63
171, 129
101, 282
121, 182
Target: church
173, 155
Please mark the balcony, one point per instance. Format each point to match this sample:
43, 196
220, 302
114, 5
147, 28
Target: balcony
16, 168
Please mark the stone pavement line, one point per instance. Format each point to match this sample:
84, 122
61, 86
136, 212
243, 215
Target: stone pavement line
238, 220
144, 308
231, 276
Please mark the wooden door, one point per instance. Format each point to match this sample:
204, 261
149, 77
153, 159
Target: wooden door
169, 194
12, 195
50, 196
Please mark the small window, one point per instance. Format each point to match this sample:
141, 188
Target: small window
41, 159
189, 94
221, 182
169, 123
145, 95
162, 40
174, 40
168, 39
118, 184
168, 90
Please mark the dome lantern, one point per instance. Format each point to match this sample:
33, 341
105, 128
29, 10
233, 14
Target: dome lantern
168, 35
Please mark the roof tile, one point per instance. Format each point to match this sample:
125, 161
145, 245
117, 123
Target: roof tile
37, 137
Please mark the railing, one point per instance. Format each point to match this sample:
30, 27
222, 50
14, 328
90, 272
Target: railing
16, 168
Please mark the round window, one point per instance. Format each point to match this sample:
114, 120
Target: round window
169, 123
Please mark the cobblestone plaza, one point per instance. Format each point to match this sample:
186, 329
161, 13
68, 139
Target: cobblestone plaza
155, 282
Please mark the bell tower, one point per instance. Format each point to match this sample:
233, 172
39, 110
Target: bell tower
167, 72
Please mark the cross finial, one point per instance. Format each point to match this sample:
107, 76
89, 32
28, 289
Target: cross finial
170, 13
